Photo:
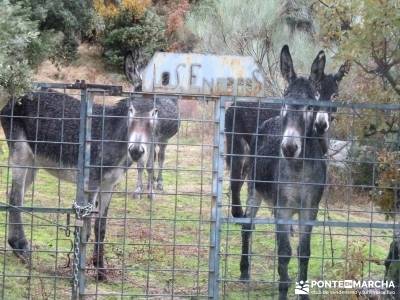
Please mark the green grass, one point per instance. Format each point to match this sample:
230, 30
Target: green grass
170, 236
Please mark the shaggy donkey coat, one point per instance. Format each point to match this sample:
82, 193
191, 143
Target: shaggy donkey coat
243, 118
42, 131
288, 172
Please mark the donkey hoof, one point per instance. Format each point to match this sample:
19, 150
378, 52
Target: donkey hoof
160, 186
20, 248
237, 212
283, 289
137, 194
244, 277
101, 275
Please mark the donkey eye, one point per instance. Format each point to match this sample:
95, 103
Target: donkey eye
334, 96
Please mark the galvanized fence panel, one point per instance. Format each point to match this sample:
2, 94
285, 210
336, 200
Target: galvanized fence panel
184, 243
352, 233
164, 248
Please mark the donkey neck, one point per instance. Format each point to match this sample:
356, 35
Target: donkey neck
113, 121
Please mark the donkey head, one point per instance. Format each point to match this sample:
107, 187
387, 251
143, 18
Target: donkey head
141, 132
297, 120
133, 65
328, 87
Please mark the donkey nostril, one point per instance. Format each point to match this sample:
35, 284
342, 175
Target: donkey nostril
136, 152
322, 126
289, 150
293, 148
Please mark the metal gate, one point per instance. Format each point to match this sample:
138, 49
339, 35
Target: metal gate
184, 244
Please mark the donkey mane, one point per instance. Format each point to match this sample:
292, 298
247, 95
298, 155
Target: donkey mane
42, 131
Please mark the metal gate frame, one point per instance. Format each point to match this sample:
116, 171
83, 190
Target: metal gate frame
82, 207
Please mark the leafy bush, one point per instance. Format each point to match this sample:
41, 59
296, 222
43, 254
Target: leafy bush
17, 37
62, 24
109, 9
388, 182
128, 31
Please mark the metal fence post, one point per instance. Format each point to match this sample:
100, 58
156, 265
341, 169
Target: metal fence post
82, 206
218, 172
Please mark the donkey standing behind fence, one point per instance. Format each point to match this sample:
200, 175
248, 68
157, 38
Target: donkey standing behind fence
43, 132
242, 119
167, 126
289, 172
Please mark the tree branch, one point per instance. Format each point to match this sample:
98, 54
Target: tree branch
391, 81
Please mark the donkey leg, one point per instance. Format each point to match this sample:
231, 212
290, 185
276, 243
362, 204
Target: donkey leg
161, 159
284, 252
100, 232
236, 186
150, 172
253, 204
303, 250
16, 234
139, 184
21, 155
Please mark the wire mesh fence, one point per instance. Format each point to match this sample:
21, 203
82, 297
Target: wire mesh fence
172, 236
356, 220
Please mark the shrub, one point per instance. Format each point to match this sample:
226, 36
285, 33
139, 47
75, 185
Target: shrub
62, 24
388, 182
17, 35
129, 30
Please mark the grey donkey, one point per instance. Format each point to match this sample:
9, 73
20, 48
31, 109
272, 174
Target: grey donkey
167, 126
42, 131
288, 171
243, 118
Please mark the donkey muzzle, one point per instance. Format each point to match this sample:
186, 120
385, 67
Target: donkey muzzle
321, 128
290, 149
321, 124
136, 152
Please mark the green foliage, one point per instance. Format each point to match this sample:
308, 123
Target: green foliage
367, 32
62, 24
17, 35
388, 182
124, 32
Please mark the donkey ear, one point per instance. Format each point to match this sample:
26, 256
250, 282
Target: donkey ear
343, 70
131, 111
131, 68
318, 67
286, 65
